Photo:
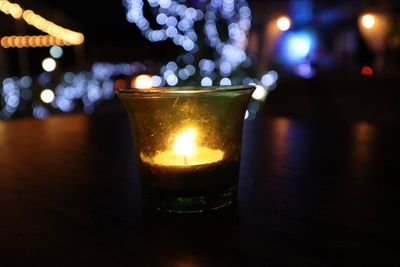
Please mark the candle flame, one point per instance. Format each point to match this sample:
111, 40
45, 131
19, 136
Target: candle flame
185, 143
185, 152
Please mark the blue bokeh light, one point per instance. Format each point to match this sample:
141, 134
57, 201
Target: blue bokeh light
297, 46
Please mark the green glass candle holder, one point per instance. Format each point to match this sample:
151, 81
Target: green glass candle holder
188, 143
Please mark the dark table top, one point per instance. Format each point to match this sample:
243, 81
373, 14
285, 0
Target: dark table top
312, 193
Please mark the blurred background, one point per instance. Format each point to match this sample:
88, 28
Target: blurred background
309, 59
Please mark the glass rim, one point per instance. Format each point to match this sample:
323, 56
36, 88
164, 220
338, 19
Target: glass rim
187, 90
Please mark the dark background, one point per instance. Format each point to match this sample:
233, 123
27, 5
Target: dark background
110, 37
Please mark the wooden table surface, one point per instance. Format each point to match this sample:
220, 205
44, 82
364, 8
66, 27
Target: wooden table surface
312, 193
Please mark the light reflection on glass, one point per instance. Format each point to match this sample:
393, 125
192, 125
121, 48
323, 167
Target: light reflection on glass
363, 136
280, 133
3, 133
184, 263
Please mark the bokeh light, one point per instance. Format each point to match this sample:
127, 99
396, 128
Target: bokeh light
180, 22
120, 84
87, 87
56, 51
225, 82
283, 23
367, 71
47, 96
49, 64
269, 79
297, 46
305, 70
63, 35
260, 93
368, 21
172, 80
40, 112
206, 81
157, 81
142, 81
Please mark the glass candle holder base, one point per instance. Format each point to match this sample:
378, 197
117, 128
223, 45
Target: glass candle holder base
188, 204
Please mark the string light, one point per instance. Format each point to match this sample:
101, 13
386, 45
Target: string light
87, 87
177, 22
11, 9
31, 41
62, 35
51, 28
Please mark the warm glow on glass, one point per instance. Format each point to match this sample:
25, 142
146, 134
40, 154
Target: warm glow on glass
283, 23
142, 81
185, 152
188, 155
47, 96
185, 144
368, 21
202, 156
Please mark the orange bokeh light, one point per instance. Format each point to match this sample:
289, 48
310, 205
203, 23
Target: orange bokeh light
120, 84
142, 81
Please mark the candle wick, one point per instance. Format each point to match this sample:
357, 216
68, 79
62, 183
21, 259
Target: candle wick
185, 160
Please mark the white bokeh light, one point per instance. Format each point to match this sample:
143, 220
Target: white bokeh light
368, 21
225, 82
142, 81
206, 81
283, 23
260, 93
47, 96
49, 64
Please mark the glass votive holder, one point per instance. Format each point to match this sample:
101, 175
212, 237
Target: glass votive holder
188, 143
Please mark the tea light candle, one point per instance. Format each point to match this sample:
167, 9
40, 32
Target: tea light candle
185, 153
187, 168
